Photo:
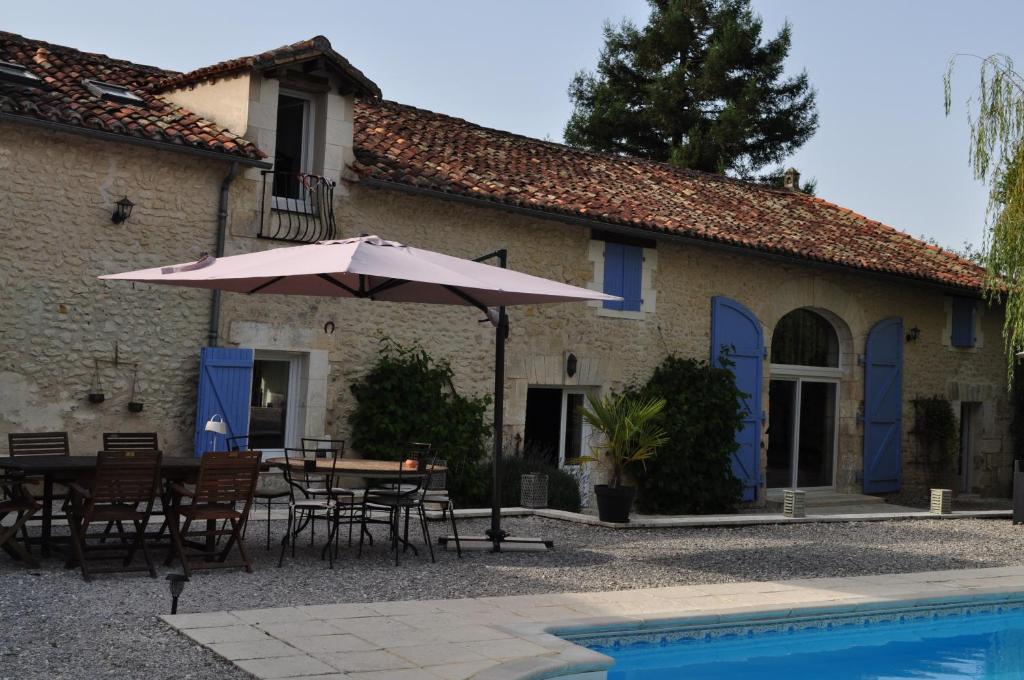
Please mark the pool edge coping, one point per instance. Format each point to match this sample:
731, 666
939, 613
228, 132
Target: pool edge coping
566, 658
572, 660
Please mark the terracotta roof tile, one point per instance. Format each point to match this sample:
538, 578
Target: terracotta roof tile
454, 156
62, 98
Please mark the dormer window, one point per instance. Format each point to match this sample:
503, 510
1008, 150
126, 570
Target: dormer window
18, 74
112, 93
293, 150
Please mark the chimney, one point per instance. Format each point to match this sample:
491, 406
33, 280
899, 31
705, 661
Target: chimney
791, 179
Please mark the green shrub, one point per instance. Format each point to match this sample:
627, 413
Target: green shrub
692, 471
409, 396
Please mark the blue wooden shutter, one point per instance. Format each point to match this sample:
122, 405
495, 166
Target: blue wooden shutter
963, 322
225, 388
883, 407
632, 277
737, 338
613, 273
623, 276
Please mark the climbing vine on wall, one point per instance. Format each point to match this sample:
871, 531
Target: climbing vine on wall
937, 434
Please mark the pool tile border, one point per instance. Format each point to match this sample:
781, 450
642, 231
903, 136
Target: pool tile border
512, 638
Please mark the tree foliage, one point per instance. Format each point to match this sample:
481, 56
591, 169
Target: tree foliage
697, 87
692, 473
409, 396
996, 118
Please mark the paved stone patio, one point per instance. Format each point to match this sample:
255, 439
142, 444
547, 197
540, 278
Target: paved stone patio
510, 638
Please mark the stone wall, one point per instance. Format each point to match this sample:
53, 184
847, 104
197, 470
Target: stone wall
615, 351
60, 190
59, 320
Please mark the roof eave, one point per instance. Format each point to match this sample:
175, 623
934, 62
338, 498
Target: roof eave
595, 223
138, 141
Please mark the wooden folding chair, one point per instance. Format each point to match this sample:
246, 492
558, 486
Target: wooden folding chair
23, 506
122, 490
41, 444
129, 441
227, 480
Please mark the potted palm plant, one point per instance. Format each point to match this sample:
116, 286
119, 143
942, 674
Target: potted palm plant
629, 435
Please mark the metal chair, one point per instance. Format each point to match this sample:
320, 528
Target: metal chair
344, 497
435, 492
269, 487
309, 498
227, 480
20, 503
401, 498
123, 489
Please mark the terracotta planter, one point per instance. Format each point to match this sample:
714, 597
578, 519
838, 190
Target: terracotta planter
614, 503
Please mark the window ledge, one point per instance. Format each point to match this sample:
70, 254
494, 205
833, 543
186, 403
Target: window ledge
621, 314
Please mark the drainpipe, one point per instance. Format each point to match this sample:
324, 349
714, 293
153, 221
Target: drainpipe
222, 228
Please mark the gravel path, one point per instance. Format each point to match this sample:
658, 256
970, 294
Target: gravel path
54, 625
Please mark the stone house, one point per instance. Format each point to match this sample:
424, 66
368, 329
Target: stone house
834, 323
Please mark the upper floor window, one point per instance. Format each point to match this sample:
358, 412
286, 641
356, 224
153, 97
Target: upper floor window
293, 149
962, 327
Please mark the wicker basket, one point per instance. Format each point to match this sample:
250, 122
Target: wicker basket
533, 490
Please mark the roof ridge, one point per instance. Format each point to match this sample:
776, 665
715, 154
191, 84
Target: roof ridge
32, 43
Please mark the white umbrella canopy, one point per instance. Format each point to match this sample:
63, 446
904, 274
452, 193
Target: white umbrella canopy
370, 267
365, 267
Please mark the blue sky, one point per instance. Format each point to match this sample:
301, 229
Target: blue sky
884, 147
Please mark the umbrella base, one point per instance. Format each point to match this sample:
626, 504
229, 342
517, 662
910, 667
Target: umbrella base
504, 544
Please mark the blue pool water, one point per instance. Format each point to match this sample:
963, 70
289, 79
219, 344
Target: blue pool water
941, 644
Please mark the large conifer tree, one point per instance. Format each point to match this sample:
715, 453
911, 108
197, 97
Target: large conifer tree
696, 87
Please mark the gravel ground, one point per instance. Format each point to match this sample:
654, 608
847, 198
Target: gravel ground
54, 625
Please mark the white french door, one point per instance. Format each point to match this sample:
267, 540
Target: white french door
803, 430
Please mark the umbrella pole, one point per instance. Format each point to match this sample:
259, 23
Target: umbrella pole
496, 533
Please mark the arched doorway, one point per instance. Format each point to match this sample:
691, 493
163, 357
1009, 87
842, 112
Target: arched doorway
803, 401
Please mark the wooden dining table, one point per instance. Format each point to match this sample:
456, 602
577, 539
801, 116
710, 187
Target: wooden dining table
65, 469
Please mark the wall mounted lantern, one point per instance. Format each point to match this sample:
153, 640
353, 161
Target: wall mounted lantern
570, 365
122, 211
913, 334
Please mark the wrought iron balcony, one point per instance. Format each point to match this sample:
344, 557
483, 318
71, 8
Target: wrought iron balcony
297, 207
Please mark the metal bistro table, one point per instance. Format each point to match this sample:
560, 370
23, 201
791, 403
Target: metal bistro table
365, 468
58, 469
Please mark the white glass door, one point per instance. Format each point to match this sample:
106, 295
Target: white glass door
803, 414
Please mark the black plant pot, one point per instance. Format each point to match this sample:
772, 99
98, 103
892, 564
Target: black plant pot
96, 397
135, 406
614, 503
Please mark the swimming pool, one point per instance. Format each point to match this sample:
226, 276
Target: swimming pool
983, 640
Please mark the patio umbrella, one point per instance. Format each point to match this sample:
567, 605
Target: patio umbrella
372, 268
